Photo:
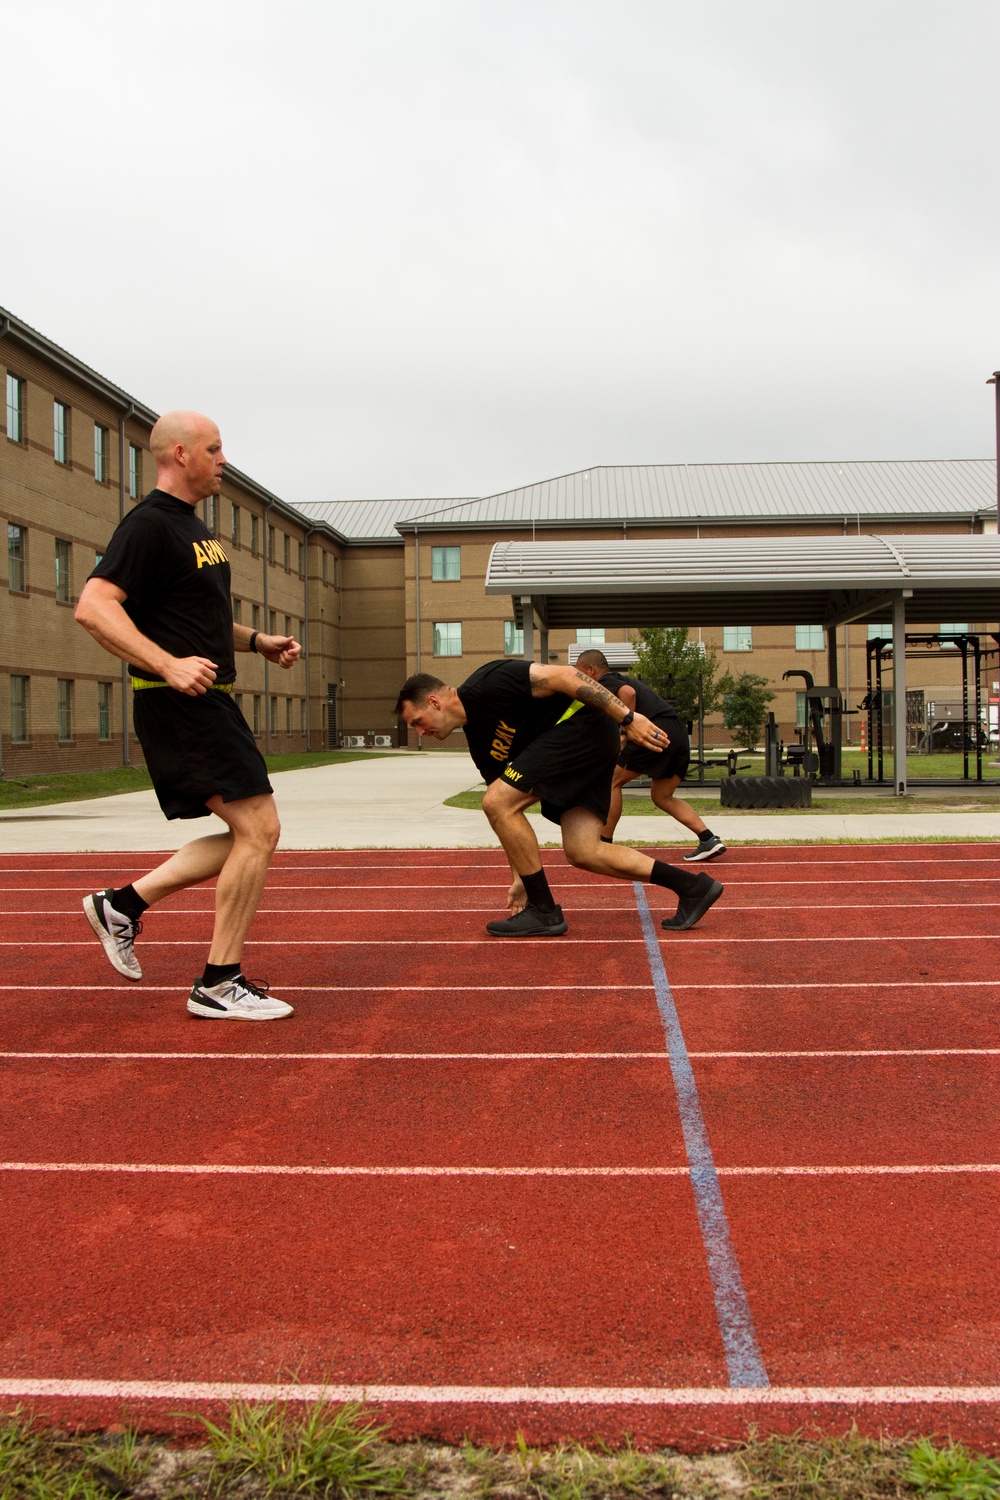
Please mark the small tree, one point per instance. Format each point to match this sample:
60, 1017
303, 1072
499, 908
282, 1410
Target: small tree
744, 706
673, 665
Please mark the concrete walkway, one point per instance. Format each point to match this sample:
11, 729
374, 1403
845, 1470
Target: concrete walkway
394, 802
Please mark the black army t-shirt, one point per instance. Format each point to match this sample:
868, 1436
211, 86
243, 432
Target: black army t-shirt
503, 717
647, 701
176, 578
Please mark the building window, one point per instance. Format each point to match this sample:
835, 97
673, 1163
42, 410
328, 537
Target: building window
272, 622
15, 409
880, 632
134, 471
19, 710
212, 514
274, 714
64, 709
325, 556
256, 713
513, 639
800, 710
104, 710
737, 637
448, 639
271, 540
446, 564
808, 637
288, 624
302, 559
237, 611
100, 454
591, 637
255, 617
286, 545
98, 558
953, 629
60, 432
288, 715
17, 537
235, 532
255, 536
302, 716
63, 556
238, 700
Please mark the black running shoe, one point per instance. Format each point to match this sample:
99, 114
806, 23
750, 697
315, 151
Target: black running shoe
116, 931
709, 848
691, 908
531, 923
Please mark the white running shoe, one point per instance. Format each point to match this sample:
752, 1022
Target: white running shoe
235, 999
116, 931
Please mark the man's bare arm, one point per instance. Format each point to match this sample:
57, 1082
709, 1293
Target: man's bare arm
548, 680
99, 610
282, 650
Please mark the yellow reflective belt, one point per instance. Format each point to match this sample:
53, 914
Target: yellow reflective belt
574, 707
138, 683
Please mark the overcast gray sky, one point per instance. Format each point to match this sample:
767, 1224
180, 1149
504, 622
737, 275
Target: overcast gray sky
448, 247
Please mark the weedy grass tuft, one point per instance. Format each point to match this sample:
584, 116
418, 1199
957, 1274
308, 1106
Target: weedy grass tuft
323, 1450
952, 1473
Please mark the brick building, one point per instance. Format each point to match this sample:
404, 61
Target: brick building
376, 589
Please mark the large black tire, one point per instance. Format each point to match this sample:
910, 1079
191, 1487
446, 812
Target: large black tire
765, 791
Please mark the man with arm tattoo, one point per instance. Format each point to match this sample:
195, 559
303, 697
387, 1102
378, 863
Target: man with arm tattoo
549, 734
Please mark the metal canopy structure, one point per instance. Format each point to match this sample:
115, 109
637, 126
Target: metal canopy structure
759, 580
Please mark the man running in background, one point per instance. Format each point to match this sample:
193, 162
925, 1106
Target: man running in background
666, 768
548, 734
159, 599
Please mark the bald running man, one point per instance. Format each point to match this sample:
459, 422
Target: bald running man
160, 600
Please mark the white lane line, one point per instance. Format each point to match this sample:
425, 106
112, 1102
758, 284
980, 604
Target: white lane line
381, 942
535, 989
244, 1169
564, 885
509, 1395
495, 1056
419, 911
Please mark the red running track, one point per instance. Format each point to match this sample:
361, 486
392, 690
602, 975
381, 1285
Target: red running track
465, 1180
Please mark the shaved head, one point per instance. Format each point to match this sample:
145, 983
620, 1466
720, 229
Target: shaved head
187, 448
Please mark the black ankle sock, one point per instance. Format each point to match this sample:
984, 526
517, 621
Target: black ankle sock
129, 902
606, 840
681, 882
536, 888
216, 973
705, 835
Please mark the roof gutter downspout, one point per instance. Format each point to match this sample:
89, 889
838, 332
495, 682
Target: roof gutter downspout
123, 417
305, 635
265, 553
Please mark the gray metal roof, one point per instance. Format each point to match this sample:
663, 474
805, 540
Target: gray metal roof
749, 580
375, 520
718, 493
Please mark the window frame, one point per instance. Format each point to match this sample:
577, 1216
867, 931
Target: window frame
134, 471
738, 646
105, 699
60, 432
16, 409
20, 709
101, 437
442, 559
17, 562
451, 626
64, 570
800, 629
512, 633
64, 710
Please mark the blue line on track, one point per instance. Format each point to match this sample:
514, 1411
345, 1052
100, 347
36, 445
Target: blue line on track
732, 1309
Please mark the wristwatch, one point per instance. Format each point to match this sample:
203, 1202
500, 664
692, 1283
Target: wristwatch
624, 723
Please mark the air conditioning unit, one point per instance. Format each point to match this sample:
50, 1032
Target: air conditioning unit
383, 742
352, 742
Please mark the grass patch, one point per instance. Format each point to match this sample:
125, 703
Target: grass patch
641, 805
339, 1453
81, 786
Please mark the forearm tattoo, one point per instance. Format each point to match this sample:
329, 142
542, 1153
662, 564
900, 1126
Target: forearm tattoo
590, 692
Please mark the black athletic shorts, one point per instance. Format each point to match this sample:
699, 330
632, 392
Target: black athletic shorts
570, 765
197, 748
660, 764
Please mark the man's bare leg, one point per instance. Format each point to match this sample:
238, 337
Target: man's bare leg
505, 808
193, 863
621, 778
663, 794
581, 831
253, 836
